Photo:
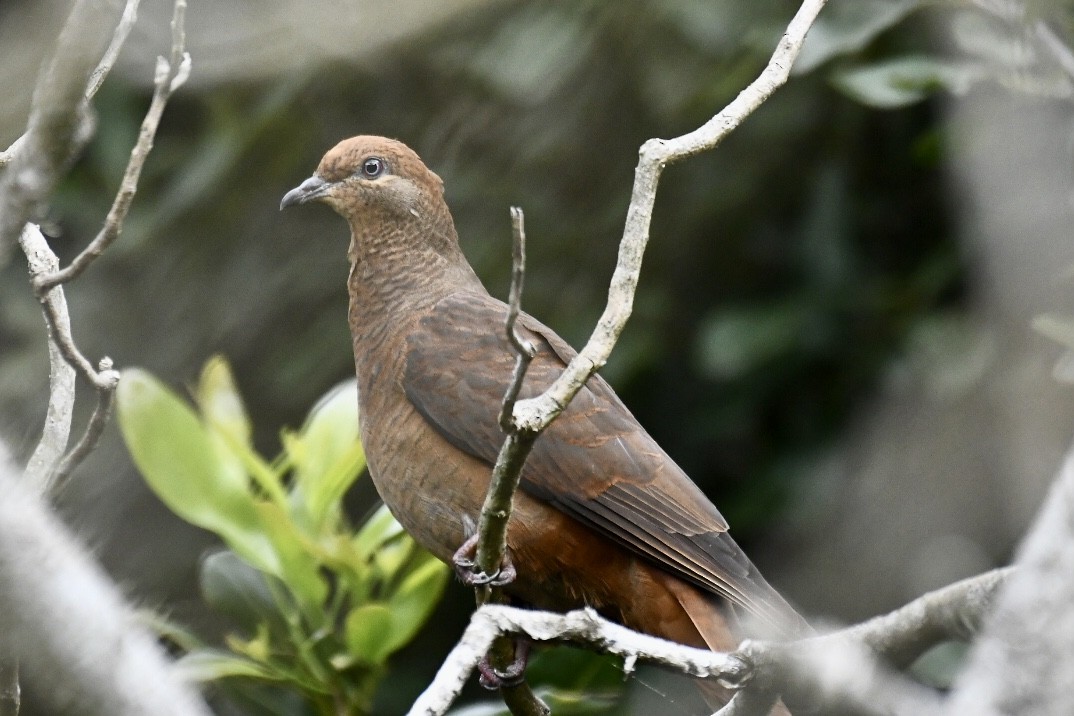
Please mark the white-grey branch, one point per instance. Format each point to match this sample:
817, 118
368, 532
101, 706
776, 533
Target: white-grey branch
1023, 662
47, 277
81, 648
535, 413
583, 627
61, 394
843, 669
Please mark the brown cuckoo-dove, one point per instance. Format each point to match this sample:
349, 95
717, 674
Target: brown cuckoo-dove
604, 517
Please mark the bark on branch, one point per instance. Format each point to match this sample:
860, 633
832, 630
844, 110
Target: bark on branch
843, 669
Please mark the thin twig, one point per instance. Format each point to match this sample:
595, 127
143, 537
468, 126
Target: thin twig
535, 413
119, 37
496, 510
524, 350
94, 428
170, 75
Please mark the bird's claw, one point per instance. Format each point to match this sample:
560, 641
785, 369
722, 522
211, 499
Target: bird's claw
463, 560
493, 679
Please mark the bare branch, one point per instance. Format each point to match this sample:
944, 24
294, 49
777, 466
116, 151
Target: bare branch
58, 118
94, 428
524, 350
496, 510
834, 674
61, 403
535, 413
169, 77
837, 670
955, 612
1023, 663
584, 627
119, 37
81, 648
47, 279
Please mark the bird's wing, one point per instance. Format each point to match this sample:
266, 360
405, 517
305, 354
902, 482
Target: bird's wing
595, 462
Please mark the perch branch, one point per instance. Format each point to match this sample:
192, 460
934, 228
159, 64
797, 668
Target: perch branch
496, 510
584, 627
841, 669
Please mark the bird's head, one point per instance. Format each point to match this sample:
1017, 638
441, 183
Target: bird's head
367, 178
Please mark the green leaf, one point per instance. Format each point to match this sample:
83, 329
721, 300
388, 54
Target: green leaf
187, 469
232, 587
391, 556
327, 455
848, 27
367, 632
378, 530
210, 664
222, 409
905, 80
299, 569
414, 600
220, 402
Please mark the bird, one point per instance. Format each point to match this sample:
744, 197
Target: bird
604, 518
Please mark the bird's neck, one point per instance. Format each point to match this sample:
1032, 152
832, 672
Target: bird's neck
394, 278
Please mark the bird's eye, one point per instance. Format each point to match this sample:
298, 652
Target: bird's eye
372, 168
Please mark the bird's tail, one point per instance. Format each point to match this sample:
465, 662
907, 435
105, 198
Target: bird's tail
721, 632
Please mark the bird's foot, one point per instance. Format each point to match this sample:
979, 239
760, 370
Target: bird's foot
493, 679
465, 567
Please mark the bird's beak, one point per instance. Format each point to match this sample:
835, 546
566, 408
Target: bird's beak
309, 190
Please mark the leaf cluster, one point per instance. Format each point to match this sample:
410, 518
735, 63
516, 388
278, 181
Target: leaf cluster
320, 606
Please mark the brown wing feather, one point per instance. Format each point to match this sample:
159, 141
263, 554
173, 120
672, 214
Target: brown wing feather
595, 462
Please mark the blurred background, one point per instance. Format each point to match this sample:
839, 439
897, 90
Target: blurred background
851, 325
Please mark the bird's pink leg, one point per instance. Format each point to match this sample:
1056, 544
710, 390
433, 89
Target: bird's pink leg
463, 560
493, 679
